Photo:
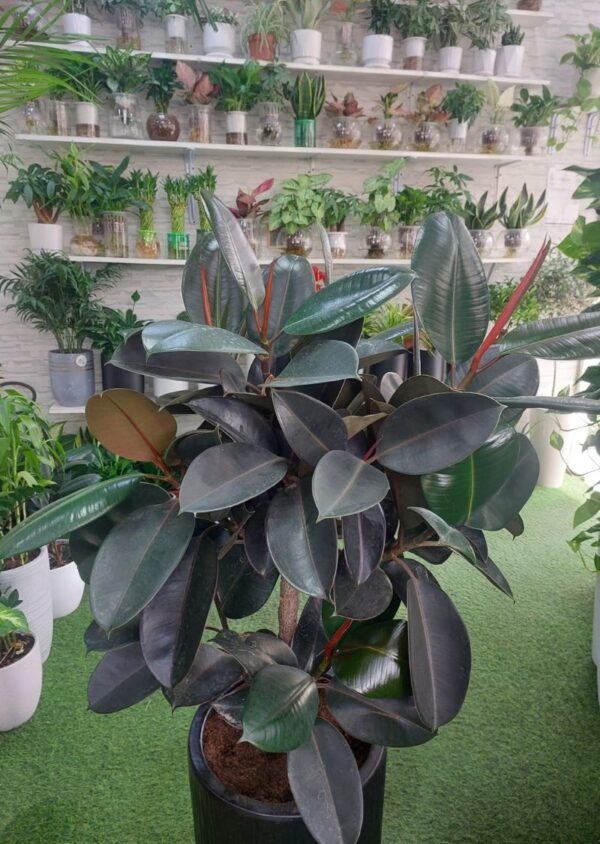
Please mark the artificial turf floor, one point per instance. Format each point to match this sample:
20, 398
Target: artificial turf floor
521, 763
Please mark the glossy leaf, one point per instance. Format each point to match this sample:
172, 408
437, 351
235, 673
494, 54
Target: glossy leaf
178, 336
373, 659
511, 375
318, 363
355, 424
95, 638
372, 350
130, 424
311, 428
121, 679
309, 638
60, 518
255, 650
360, 601
559, 404
211, 675
255, 541
450, 292
430, 433
347, 300
343, 485
241, 590
364, 539
484, 564
206, 268
281, 708
304, 550
135, 560
449, 537
562, 338
326, 786
416, 387
238, 420
399, 575
227, 475
439, 652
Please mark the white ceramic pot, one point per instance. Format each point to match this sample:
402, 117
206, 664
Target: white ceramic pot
457, 130
593, 77
596, 626
236, 122
163, 386
450, 59
32, 581
306, 46
176, 26
510, 60
377, 50
484, 62
67, 589
414, 48
220, 42
20, 689
47, 236
76, 24
87, 119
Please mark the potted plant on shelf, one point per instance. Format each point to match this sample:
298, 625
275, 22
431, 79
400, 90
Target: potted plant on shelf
525, 211
585, 57
80, 202
479, 219
264, 29
85, 87
487, 19
202, 180
110, 328
337, 207
114, 197
177, 191
218, 33
345, 116
511, 52
345, 47
451, 26
249, 209
199, 92
378, 44
428, 112
306, 98
463, 105
495, 137
447, 190
75, 21
397, 322
271, 99
305, 38
377, 210
298, 205
238, 91
41, 188
411, 209
387, 132
124, 73
57, 296
128, 15
174, 13
533, 115
144, 187
417, 22
162, 82
20, 665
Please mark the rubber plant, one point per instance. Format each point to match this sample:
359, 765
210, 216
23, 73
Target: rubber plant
301, 475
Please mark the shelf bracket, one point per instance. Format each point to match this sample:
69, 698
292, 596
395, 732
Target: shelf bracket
591, 127
188, 166
552, 135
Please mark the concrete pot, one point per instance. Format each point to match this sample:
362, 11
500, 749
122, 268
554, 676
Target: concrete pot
72, 376
377, 50
48, 236
219, 43
67, 589
306, 46
32, 581
450, 59
510, 60
20, 689
484, 62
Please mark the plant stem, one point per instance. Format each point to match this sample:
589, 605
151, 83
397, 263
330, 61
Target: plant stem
289, 599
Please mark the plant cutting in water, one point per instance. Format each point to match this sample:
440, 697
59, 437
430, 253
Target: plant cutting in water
197, 87
203, 180
298, 202
178, 192
247, 203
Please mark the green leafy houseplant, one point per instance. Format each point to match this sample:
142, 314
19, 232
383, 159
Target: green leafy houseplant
382, 16
447, 190
41, 188
378, 209
264, 29
306, 98
178, 192
123, 71
586, 53
144, 187
305, 14
292, 477
525, 211
112, 325
217, 16
15, 637
451, 23
81, 200
203, 180
464, 103
338, 205
426, 112
487, 19
479, 217
298, 205
533, 114
417, 23
239, 89
500, 295
512, 36
162, 83
129, 15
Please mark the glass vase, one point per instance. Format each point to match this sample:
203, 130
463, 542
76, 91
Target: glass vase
162, 127
483, 240
84, 240
124, 119
57, 118
33, 118
129, 25
249, 225
269, 128
338, 243
494, 140
178, 246
385, 134
516, 243
346, 133
378, 242
147, 244
299, 243
407, 239
345, 48
426, 137
533, 140
116, 243
305, 132
200, 124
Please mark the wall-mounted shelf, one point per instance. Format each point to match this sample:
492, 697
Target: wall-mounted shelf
529, 20
337, 262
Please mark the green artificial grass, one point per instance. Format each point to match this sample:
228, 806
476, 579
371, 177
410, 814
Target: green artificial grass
520, 763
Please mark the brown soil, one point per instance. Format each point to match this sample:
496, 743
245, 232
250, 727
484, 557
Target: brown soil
87, 130
530, 5
375, 252
19, 559
20, 646
344, 143
59, 554
245, 769
412, 63
239, 138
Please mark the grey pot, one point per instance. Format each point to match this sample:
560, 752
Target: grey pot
72, 376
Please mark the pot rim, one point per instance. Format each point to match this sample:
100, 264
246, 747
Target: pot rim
24, 659
43, 550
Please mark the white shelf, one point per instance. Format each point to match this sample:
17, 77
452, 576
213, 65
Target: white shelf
529, 20
337, 262
61, 410
133, 262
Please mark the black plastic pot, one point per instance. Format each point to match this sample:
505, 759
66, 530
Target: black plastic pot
114, 376
224, 817
431, 364
397, 364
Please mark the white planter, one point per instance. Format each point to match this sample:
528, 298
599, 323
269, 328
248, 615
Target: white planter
220, 42
414, 47
450, 59
377, 50
20, 689
176, 26
457, 130
236, 122
76, 24
87, 117
163, 386
596, 626
32, 581
47, 236
67, 589
593, 77
510, 60
484, 62
306, 46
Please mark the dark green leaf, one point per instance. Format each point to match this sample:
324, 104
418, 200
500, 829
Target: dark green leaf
120, 679
238, 420
399, 575
373, 351
449, 537
559, 404
373, 659
416, 387
212, 674
309, 637
364, 539
255, 650
320, 362
343, 485
241, 590
512, 375
95, 637
562, 338
360, 601
177, 336
311, 428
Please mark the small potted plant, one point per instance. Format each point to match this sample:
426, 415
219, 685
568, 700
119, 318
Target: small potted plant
218, 33
463, 105
585, 57
495, 137
388, 319
305, 38
270, 101
160, 88
411, 209
377, 210
129, 15
344, 116
427, 114
199, 92
110, 328
202, 180
298, 205
178, 194
511, 52
487, 19
264, 29
65, 581
451, 24
76, 22
56, 296
174, 13
81, 203
238, 91
533, 115
387, 132
86, 84
249, 209
144, 187
114, 197
345, 46
378, 44
43, 189
479, 219
417, 22
124, 73
525, 211
306, 98
337, 207
20, 665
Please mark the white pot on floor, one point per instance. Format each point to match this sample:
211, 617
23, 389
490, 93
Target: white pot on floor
67, 589
20, 689
32, 581
484, 62
48, 236
306, 46
510, 60
450, 59
219, 43
377, 50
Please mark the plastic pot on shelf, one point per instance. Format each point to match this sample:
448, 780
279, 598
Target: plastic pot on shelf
530, 5
249, 225
220, 42
236, 127
85, 241
114, 376
147, 244
510, 60
262, 49
450, 59
377, 50
73, 23
413, 53
305, 45
176, 37
300, 243
116, 238
426, 137
345, 48
516, 242
47, 236
178, 246
484, 62
166, 386
87, 120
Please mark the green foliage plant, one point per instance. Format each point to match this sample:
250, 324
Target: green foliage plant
219, 15
123, 71
239, 88
161, 85
178, 191
382, 16
266, 21
513, 35
144, 187
525, 210
299, 203
338, 205
535, 109
451, 23
41, 188
586, 53
305, 14
378, 208
487, 19
416, 20
112, 325
464, 103
306, 96
477, 214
